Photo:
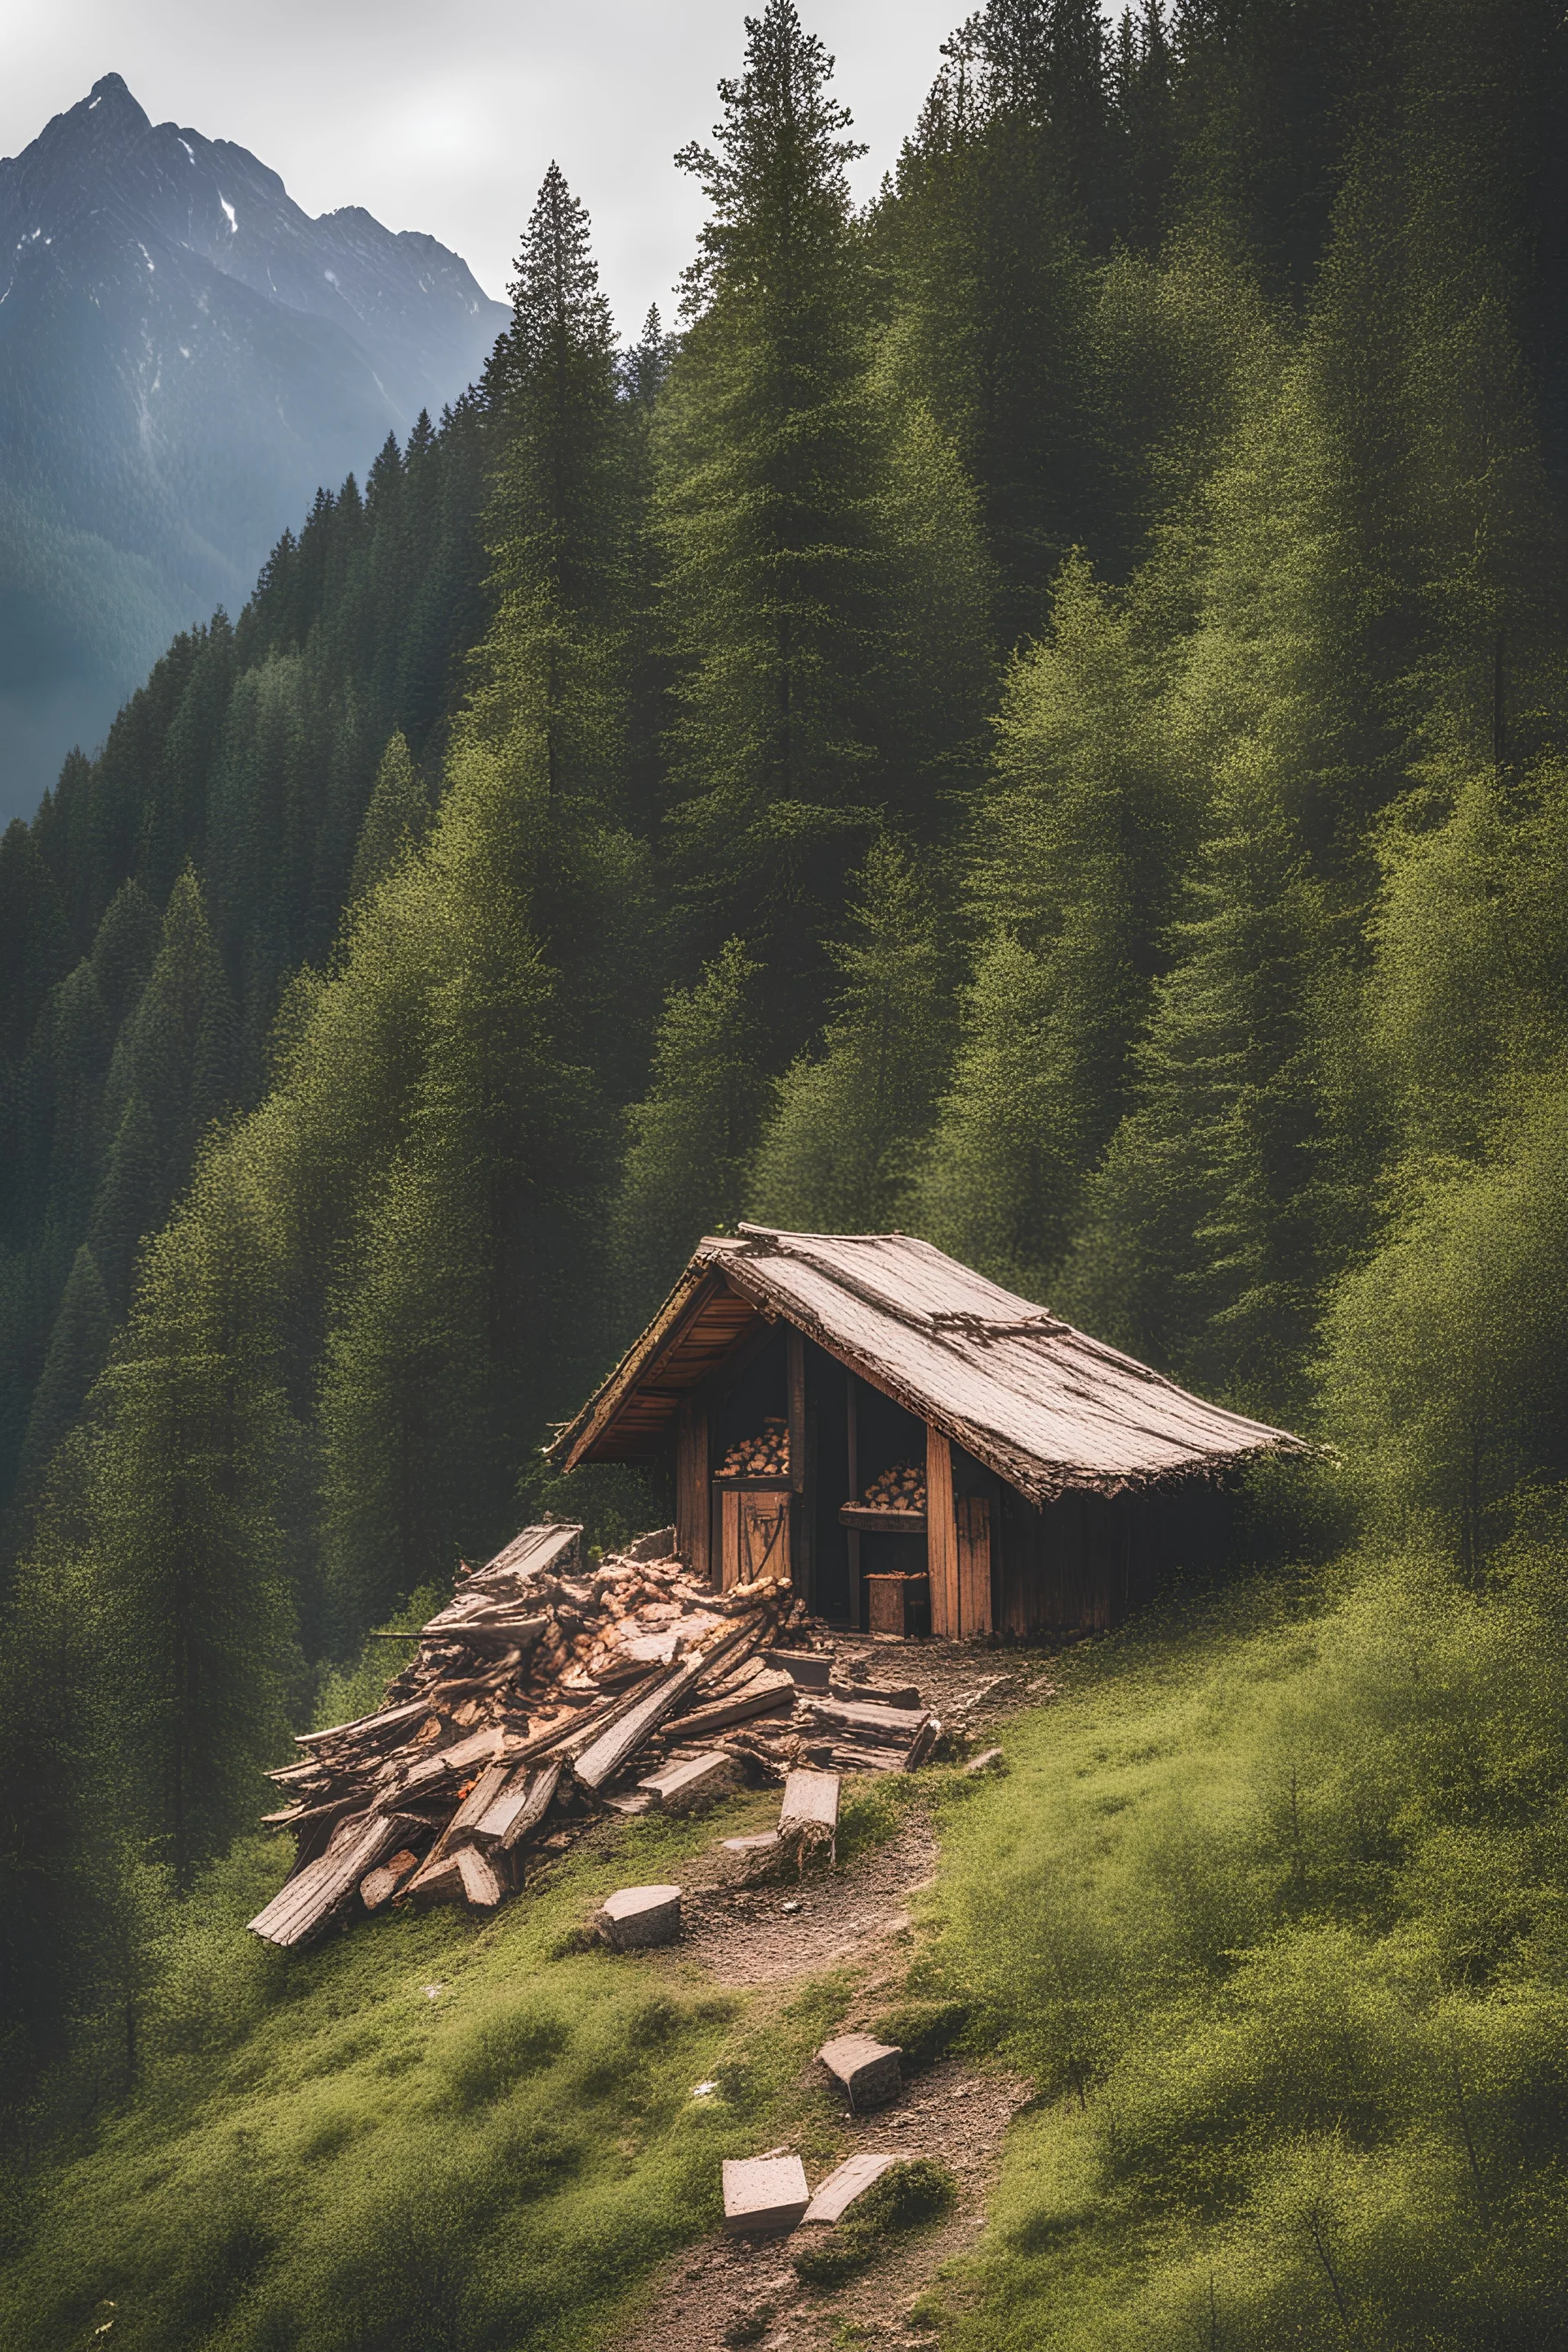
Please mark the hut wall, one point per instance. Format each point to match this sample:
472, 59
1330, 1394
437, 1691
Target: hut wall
1086, 1560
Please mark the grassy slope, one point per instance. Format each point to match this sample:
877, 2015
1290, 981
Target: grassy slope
323, 2156
1273, 1904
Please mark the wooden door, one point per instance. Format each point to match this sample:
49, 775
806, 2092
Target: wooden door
756, 1535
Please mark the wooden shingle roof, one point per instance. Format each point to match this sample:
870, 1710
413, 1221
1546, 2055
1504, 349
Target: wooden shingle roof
1044, 1405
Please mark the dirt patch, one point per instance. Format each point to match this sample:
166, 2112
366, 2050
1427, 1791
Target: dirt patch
726, 2287
764, 1935
966, 1685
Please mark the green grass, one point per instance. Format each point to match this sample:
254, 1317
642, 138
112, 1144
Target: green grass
323, 2156
908, 2197
1273, 1908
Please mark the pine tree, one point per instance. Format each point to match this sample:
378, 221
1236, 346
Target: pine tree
767, 471
131, 1200
1077, 845
186, 1543
690, 1139
840, 1148
396, 820
179, 1050
79, 1346
988, 244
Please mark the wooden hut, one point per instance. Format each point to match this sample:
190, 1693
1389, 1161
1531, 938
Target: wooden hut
913, 1445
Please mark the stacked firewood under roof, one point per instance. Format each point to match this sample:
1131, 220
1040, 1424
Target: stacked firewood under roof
540, 1698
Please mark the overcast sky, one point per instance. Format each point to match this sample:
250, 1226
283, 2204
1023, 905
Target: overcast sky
442, 114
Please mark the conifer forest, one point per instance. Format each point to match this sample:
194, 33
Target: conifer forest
1032, 713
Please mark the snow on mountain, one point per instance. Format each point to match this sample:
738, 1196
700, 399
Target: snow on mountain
185, 356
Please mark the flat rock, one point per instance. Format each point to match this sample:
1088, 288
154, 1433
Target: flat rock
867, 2070
835, 2194
699, 1781
638, 1916
764, 2195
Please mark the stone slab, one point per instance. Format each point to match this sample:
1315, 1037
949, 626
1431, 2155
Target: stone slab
764, 2195
835, 2195
867, 2071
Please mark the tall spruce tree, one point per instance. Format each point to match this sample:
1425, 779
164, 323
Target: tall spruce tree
690, 1139
766, 467
184, 1536
1076, 845
840, 1148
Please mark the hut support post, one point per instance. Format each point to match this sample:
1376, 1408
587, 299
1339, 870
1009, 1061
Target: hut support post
853, 1434
803, 1484
941, 1537
973, 1516
692, 1513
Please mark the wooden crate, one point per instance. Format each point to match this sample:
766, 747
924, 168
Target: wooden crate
899, 1604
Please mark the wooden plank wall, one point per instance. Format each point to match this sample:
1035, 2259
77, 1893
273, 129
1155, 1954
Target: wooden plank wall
941, 1537
693, 1511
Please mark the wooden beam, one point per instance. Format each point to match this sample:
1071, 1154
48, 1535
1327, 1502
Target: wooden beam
794, 1359
941, 1537
853, 1433
692, 1517
973, 1516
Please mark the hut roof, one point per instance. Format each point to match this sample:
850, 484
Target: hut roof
1042, 1404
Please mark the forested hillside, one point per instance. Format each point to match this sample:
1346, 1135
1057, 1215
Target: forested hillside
1039, 717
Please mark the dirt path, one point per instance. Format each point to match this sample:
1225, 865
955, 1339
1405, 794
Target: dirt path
728, 2292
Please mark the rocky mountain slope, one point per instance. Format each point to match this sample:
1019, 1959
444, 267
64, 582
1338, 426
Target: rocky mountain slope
185, 356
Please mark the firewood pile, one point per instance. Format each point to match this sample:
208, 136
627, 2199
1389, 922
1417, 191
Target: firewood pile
901, 1488
765, 1456
540, 1698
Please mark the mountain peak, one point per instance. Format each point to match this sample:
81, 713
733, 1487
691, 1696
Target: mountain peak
110, 97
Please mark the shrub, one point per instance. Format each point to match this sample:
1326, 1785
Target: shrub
907, 2197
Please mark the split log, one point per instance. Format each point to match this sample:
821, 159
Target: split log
604, 1756
305, 1904
458, 1829
904, 1695
383, 1883
635, 1916
891, 1726
699, 1781
769, 1694
481, 1882
391, 1718
519, 1808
